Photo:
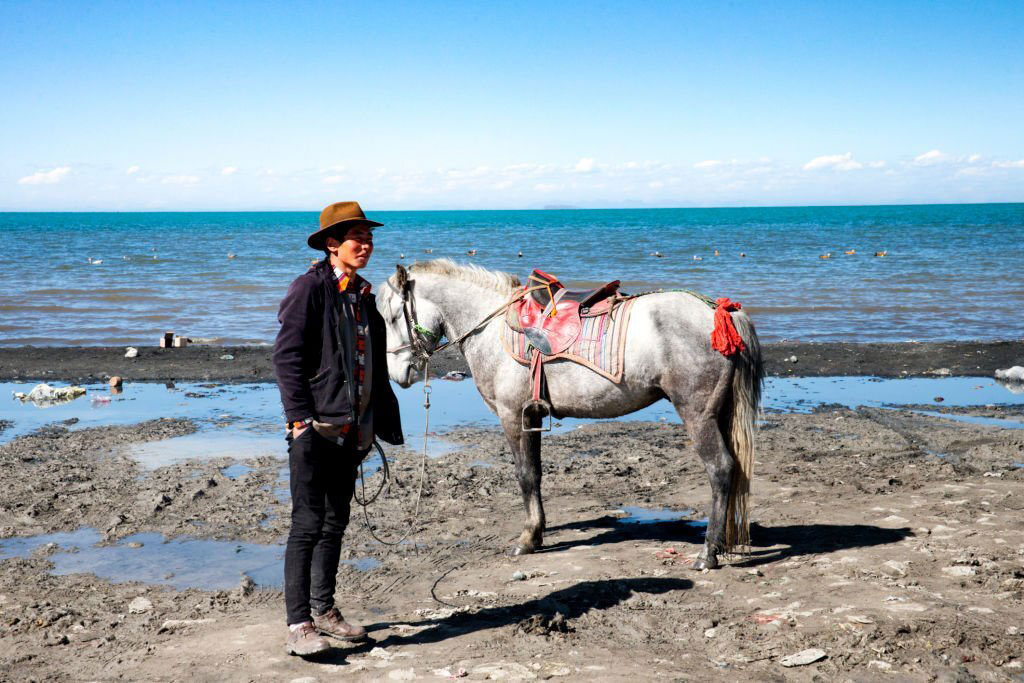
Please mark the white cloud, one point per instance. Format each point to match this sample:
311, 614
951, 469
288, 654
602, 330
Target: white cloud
876, 164
333, 179
708, 163
229, 170
930, 158
45, 177
180, 180
974, 158
132, 170
655, 184
585, 165
839, 162
1009, 164
478, 172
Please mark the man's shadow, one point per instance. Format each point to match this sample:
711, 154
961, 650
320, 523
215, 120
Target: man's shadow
794, 539
770, 544
571, 602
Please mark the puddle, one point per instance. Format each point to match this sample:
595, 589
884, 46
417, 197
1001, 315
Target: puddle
242, 421
803, 394
246, 407
363, 564
235, 471
645, 515
180, 562
481, 463
208, 444
975, 420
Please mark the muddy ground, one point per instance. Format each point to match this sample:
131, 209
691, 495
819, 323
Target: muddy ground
891, 541
253, 364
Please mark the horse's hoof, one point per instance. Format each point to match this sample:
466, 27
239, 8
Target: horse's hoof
702, 563
522, 550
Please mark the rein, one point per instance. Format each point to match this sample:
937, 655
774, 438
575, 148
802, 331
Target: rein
421, 347
419, 335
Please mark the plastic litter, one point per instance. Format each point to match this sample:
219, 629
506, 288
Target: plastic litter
227, 356
766, 619
803, 658
44, 395
1014, 374
131, 352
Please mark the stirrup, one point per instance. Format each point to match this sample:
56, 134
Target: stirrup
538, 404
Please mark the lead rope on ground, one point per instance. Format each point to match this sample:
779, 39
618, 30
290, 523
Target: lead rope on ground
364, 503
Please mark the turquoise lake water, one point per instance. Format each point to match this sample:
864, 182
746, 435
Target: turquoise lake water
950, 271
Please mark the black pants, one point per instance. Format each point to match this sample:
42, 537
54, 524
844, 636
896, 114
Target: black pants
323, 475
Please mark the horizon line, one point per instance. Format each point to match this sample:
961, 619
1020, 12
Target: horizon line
553, 207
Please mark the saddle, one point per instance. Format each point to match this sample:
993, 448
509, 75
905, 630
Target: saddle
549, 315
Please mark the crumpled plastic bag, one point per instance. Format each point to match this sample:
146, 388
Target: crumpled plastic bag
1014, 374
44, 395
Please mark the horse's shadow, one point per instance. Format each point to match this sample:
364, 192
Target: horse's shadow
571, 602
769, 543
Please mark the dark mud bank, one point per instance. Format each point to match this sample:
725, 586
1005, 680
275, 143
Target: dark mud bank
253, 363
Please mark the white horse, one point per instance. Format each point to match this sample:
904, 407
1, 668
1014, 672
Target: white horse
668, 355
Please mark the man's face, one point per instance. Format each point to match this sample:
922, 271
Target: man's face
354, 251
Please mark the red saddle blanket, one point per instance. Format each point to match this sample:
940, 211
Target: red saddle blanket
550, 315
596, 339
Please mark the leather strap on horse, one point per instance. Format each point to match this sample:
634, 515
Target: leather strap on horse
498, 311
536, 376
724, 337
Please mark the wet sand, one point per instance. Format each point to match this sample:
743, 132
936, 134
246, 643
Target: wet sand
253, 363
890, 540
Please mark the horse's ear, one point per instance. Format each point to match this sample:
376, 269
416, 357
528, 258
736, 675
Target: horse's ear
402, 275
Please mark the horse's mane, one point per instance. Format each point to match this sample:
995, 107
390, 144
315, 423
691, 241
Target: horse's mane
502, 282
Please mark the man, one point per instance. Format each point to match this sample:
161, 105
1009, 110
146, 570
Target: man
331, 366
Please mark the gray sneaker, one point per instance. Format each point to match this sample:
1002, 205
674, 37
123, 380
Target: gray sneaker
333, 624
305, 641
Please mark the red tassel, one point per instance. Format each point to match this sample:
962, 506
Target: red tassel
724, 337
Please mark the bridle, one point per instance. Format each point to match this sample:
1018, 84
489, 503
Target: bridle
423, 342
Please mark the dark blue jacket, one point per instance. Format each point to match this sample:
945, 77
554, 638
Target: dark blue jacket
314, 356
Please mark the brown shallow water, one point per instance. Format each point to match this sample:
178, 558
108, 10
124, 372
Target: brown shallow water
891, 540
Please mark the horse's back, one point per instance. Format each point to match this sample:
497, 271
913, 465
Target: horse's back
667, 346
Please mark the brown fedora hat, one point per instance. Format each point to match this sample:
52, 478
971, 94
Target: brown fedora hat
336, 220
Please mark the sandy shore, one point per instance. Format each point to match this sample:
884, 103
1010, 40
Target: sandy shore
889, 540
252, 363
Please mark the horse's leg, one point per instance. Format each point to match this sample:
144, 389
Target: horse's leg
526, 451
701, 415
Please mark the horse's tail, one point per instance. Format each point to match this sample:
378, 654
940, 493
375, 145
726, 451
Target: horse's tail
747, 380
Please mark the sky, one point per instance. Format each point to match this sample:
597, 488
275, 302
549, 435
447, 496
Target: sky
474, 105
